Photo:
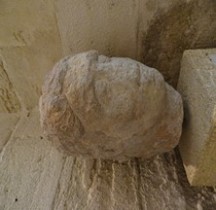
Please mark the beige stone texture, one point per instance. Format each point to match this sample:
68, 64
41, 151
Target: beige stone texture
29, 46
34, 35
110, 108
8, 123
114, 28
152, 31
186, 24
35, 176
8, 99
197, 85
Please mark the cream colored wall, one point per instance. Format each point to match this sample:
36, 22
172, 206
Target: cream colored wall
29, 46
36, 33
197, 84
108, 26
113, 27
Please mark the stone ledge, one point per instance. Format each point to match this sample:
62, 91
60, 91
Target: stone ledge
197, 85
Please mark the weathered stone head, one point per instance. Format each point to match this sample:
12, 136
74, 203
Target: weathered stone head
109, 108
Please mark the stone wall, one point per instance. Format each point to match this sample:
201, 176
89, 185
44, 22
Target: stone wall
34, 35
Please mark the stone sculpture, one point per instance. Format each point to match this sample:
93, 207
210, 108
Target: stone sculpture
109, 108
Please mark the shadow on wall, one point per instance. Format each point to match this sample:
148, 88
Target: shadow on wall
189, 25
185, 26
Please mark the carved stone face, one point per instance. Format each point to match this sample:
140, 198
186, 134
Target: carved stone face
111, 108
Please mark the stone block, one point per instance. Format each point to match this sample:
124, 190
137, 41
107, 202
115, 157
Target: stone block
109, 108
197, 85
9, 102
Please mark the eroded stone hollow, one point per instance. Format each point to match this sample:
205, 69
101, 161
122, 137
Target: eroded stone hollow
109, 108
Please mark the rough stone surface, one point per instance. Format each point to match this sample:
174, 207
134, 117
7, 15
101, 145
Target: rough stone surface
26, 51
33, 175
187, 24
152, 31
113, 108
197, 85
8, 100
114, 28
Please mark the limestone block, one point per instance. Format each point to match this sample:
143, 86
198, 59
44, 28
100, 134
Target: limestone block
29, 47
23, 21
8, 99
8, 122
197, 85
111, 108
86, 25
29, 166
35, 176
114, 28
26, 75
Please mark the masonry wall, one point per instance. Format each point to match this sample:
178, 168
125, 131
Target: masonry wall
34, 35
